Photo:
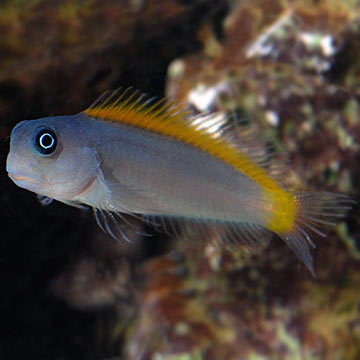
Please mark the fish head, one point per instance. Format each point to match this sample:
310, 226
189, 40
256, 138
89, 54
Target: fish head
50, 157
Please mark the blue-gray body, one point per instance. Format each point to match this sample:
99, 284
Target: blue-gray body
121, 168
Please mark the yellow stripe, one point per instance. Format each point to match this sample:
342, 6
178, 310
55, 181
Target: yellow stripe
160, 120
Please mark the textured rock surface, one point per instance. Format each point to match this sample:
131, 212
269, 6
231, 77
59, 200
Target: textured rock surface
288, 69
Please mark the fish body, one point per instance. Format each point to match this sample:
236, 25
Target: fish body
123, 156
128, 169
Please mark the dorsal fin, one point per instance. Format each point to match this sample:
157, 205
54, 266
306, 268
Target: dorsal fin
133, 108
130, 107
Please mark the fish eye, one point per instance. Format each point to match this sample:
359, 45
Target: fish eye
45, 142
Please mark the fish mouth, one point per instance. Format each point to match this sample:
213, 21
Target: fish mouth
22, 178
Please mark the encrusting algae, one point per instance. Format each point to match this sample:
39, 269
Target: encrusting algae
128, 154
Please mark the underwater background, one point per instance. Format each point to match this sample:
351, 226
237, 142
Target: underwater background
69, 291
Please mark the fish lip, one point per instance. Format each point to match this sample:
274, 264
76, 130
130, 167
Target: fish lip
22, 178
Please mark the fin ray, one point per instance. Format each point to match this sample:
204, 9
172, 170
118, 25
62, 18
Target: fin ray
253, 238
313, 217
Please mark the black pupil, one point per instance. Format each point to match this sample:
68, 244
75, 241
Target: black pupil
46, 142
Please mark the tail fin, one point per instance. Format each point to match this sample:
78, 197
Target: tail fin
316, 212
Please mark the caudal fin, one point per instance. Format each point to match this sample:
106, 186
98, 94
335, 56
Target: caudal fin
317, 212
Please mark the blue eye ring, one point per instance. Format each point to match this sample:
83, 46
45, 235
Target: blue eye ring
45, 142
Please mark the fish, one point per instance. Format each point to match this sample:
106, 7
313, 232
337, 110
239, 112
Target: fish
130, 154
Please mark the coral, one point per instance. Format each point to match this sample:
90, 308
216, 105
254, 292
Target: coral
281, 67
